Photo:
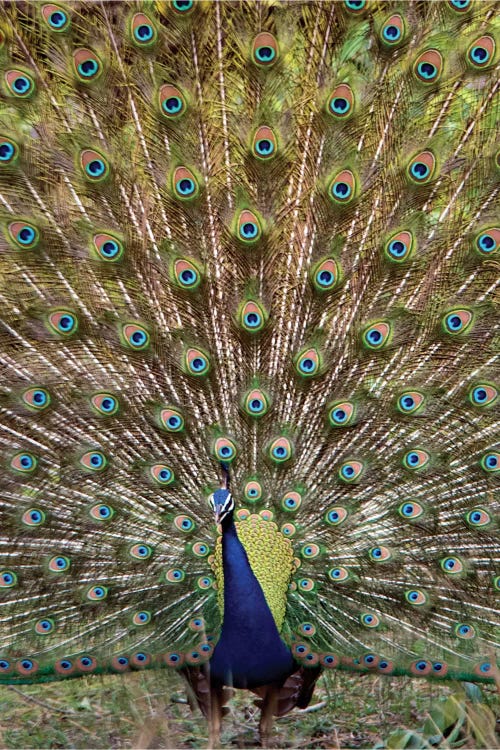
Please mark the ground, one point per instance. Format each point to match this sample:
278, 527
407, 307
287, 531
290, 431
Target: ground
148, 710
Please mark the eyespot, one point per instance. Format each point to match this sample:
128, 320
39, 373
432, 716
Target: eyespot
225, 449
377, 335
86, 663
36, 398
291, 501
171, 101
63, 323
496, 583
27, 667
379, 554
19, 83
197, 624
140, 551
330, 661
428, 66
420, 667
87, 65
253, 491
307, 629
265, 50
94, 461
310, 551
249, 228
59, 564
326, 275
140, 660
171, 420
305, 584
24, 462
487, 241
101, 512
184, 184
256, 403
410, 402
44, 626
174, 659
457, 321
108, 247
264, 144
33, 517
342, 188
411, 510
8, 579
354, 6
64, 666
369, 620
162, 474
400, 247
135, 336
478, 518
483, 394
350, 471
336, 516
308, 363
460, 6
196, 362
95, 167
5, 666
490, 462
205, 582
141, 618
439, 668
280, 450
421, 168
393, 31
184, 523
186, 274
341, 413
105, 404
56, 17
200, 549
341, 102
143, 32
464, 631
370, 660
481, 52
288, 529
183, 6
484, 669
120, 663
174, 575
266, 514
252, 317
9, 151
416, 459
96, 593
25, 236
416, 597
339, 575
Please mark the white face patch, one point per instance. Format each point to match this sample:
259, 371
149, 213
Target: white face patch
223, 508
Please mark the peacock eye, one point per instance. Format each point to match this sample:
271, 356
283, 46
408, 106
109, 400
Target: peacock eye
280, 450
341, 102
8, 579
350, 471
392, 32
459, 5
354, 6
464, 631
37, 399
428, 66
399, 247
457, 321
184, 523
186, 274
174, 575
264, 144
369, 620
225, 449
94, 461
185, 184
487, 241
421, 168
416, 459
339, 575
95, 166
9, 151
108, 247
182, 6
336, 516
410, 511
310, 551
56, 18
483, 394
490, 462
252, 316
379, 554
342, 188
143, 32
377, 335
478, 518
23, 235
308, 363
265, 49
480, 53
59, 564
171, 420
451, 565
416, 597
135, 336
33, 517
19, 83
205, 582
410, 402
44, 627
24, 462
326, 275
162, 474
101, 512
143, 617
105, 404
200, 549
291, 501
248, 227
140, 551
256, 403
341, 413
196, 362
88, 66
96, 593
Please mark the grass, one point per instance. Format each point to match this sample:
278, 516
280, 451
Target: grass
148, 710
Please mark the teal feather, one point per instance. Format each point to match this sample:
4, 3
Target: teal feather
261, 235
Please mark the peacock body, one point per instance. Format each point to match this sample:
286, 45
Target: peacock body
248, 267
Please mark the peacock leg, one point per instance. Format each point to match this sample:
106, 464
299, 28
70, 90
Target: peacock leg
268, 710
215, 717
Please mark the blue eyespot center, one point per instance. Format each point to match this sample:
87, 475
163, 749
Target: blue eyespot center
392, 33
454, 322
174, 421
480, 395
26, 461
21, 84
427, 70
265, 54
165, 474
186, 186
57, 19
88, 68
188, 276
26, 235
198, 364
374, 337
397, 248
325, 278
487, 243
138, 337
479, 54
249, 230
339, 105
491, 462
256, 404
172, 105
341, 189
265, 146
144, 33
419, 170
109, 248
6, 151
252, 319
96, 167
279, 451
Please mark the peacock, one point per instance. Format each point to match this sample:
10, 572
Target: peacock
248, 344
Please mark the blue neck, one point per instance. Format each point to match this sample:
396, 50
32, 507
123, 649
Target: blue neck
250, 651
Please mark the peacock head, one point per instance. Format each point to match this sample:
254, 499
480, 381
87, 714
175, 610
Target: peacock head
222, 504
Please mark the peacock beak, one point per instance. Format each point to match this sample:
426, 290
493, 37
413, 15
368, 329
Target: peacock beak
219, 513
